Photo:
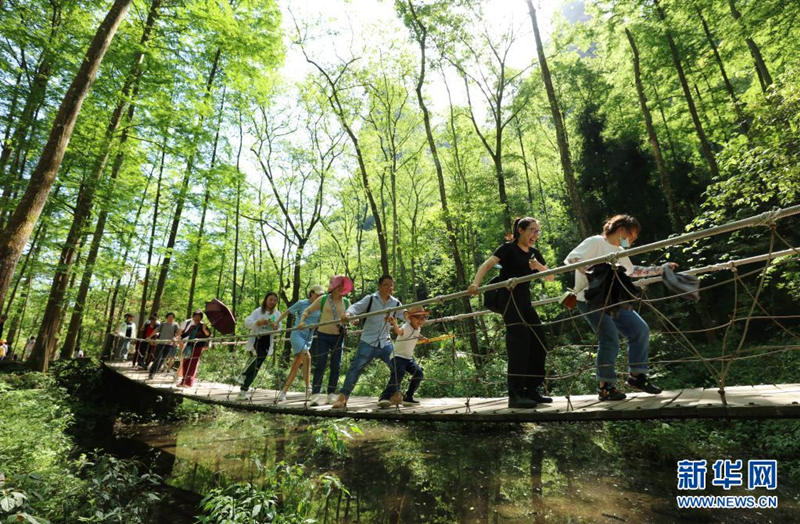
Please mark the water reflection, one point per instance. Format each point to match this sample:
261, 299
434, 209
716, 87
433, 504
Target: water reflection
445, 473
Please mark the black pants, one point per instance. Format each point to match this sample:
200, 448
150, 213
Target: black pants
161, 355
262, 347
526, 347
399, 367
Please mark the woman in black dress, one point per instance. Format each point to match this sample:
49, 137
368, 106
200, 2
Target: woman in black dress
525, 340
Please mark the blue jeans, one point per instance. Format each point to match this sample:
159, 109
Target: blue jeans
364, 356
608, 328
320, 347
399, 366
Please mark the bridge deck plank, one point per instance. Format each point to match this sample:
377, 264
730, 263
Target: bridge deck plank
747, 401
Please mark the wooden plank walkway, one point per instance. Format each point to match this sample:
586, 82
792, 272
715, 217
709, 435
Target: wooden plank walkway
762, 401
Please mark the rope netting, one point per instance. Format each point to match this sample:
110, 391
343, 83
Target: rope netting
453, 370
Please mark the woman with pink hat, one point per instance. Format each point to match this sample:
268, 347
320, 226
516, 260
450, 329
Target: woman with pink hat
329, 337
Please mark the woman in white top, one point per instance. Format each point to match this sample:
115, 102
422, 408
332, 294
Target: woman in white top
619, 232
260, 321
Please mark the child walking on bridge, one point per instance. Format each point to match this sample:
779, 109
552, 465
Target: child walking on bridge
403, 360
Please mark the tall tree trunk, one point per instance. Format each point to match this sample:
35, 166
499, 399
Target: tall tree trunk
196, 261
53, 314
337, 107
22, 221
8, 147
461, 279
698, 126
19, 318
666, 183
151, 241
110, 319
176, 219
673, 149
31, 254
764, 78
561, 132
236, 245
20, 140
525, 166
737, 105
222, 263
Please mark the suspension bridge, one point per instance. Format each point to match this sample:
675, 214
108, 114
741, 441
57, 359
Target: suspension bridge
721, 399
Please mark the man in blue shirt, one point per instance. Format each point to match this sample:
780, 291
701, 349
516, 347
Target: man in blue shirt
375, 341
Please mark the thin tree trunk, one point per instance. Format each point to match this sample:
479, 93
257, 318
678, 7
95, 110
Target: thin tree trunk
24, 130
176, 219
222, 263
698, 126
666, 183
112, 316
12, 109
32, 253
461, 278
737, 106
336, 105
561, 132
236, 245
518, 129
131, 89
196, 261
764, 78
673, 149
151, 241
22, 221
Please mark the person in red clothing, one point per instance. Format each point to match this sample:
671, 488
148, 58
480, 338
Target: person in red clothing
145, 350
197, 329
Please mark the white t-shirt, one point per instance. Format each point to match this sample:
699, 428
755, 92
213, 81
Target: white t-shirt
250, 323
405, 343
593, 247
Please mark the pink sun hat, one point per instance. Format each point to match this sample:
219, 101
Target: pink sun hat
344, 281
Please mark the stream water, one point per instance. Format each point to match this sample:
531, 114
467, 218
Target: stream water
445, 472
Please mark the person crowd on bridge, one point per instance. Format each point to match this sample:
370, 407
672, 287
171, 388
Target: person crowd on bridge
319, 349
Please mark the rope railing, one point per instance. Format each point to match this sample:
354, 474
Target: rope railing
763, 219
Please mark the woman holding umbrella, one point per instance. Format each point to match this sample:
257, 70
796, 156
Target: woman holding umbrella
193, 350
262, 320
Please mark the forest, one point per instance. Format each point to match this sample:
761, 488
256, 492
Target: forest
158, 154
198, 165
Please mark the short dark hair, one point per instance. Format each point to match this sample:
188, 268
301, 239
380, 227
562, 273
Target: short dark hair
385, 277
621, 221
128, 315
170, 314
198, 312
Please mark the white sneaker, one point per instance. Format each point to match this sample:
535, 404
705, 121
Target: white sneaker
332, 398
242, 395
317, 400
282, 396
384, 403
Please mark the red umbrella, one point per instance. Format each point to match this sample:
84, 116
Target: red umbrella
220, 317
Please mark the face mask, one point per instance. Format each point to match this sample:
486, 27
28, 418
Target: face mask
623, 242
